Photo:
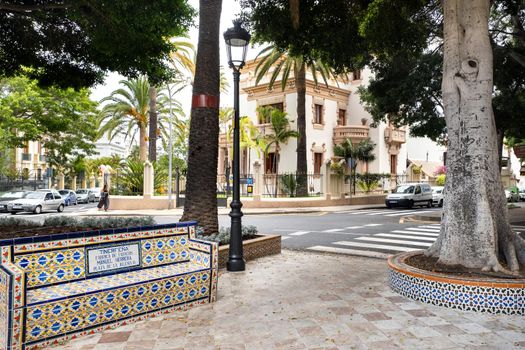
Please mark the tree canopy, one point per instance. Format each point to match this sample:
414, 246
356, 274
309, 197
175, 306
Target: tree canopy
73, 43
63, 120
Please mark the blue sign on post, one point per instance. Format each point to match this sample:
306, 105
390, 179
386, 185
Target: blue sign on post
249, 181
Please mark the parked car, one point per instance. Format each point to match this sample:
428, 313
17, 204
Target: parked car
37, 202
511, 195
7, 197
437, 195
522, 195
85, 196
408, 195
96, 191
70, 197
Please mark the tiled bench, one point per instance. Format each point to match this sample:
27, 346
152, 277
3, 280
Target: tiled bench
54, 288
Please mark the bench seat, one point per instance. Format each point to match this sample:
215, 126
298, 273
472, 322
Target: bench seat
100, 284
54, 288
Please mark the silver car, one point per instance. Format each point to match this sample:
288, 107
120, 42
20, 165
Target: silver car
7, 197
37, 202
85, 196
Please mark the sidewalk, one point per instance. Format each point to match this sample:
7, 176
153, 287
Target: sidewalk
300, 300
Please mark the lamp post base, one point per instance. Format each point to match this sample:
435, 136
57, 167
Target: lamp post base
236, 265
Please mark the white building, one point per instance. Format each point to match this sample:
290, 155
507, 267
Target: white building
333, 114
106, 148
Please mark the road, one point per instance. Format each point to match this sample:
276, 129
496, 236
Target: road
368, 232
373, 232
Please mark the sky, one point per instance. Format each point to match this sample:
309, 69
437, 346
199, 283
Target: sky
230, 8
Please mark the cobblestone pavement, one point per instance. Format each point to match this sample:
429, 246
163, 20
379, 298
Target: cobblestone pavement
303, 300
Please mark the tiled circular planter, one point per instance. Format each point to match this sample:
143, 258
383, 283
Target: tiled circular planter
499, 296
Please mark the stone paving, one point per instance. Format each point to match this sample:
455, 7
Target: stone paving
301, 300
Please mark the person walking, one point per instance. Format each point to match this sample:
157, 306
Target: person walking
104, 198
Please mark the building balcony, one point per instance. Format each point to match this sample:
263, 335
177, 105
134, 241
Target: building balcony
26, 157
393, 135
355, 133
265, 129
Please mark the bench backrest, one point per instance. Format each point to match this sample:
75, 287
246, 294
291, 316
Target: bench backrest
56, 259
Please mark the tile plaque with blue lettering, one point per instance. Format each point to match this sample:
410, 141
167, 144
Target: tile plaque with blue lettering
113, 257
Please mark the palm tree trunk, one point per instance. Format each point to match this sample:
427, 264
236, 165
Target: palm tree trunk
302, 166
152, 123
201, 189
143, 146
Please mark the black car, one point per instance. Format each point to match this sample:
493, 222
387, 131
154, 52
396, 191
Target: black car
10, 196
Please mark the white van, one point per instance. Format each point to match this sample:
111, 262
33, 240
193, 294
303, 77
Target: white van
408, 195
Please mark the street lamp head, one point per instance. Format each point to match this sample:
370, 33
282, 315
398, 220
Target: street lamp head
237, 40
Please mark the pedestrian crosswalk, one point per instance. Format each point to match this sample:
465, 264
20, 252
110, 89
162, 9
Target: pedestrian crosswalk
389, 212
383, 244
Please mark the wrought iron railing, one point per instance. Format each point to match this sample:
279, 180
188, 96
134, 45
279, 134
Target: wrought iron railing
292, 185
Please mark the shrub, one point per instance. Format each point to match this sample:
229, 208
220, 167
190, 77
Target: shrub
368, 182
223, 236
289, 184
440, 179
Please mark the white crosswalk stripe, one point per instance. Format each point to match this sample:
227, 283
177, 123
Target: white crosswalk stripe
420, 238
394, 241
410, 213
299, 233
416, 233
374, 246
381, 245
423, 229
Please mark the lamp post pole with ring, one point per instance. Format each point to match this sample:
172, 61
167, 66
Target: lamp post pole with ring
237, 40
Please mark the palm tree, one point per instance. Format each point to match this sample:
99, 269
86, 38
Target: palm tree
352, 153
248, 136
127, 112
283, 64
181, 59
281, 135
201, 187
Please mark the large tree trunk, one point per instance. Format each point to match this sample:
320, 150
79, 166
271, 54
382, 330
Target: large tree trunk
475, 232
143, 145
302, 166
152, 123
201, 189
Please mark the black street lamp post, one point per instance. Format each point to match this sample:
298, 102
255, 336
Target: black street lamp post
237, 40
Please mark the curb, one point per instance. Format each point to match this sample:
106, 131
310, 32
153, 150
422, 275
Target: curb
246, 213
419, 218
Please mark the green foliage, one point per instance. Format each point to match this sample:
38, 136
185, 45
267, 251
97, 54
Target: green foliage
223, 236
282, 63
312, 36
368, 182
132, 177
9, 221
80, 223
337, 168
73, 43
363, 151
406, 90
289, 184
63, 120
440, 179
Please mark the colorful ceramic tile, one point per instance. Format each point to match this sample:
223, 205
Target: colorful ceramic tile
64, 302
